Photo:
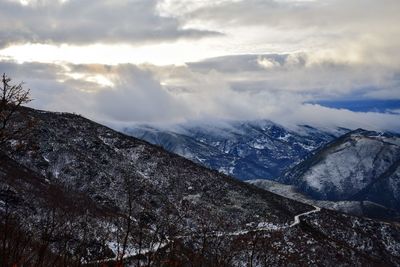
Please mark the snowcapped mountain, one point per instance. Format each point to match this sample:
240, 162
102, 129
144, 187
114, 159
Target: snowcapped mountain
250, 150
78, 193
360, 166
245, 150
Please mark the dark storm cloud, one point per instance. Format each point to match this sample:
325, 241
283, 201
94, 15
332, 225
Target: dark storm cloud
89, 21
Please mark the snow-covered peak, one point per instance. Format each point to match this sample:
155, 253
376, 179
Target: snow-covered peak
361, 165
244, 149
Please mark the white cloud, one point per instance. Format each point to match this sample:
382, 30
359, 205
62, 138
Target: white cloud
272, 57
320, 116
174, 94
137, 96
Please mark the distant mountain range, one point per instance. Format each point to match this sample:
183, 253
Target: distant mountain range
73, 193
351, 171
246, 150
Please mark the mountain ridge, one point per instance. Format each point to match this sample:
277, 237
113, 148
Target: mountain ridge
372, 159
156, 199
245, 150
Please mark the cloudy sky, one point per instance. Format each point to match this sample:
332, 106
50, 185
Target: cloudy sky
320, 62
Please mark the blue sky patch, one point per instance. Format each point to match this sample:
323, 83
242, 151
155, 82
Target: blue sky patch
365, 105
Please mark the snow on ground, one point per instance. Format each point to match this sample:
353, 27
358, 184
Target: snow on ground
262, 226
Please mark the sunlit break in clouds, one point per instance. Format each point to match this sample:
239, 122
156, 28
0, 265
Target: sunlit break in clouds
169, 61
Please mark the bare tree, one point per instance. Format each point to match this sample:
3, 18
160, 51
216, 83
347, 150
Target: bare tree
12, 96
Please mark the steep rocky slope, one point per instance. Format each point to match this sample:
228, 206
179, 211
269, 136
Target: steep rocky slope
85, 194
361, 165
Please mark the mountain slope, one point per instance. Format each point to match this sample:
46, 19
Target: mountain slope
361, 165
246, 150
46, 224
365, 208
141, 203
